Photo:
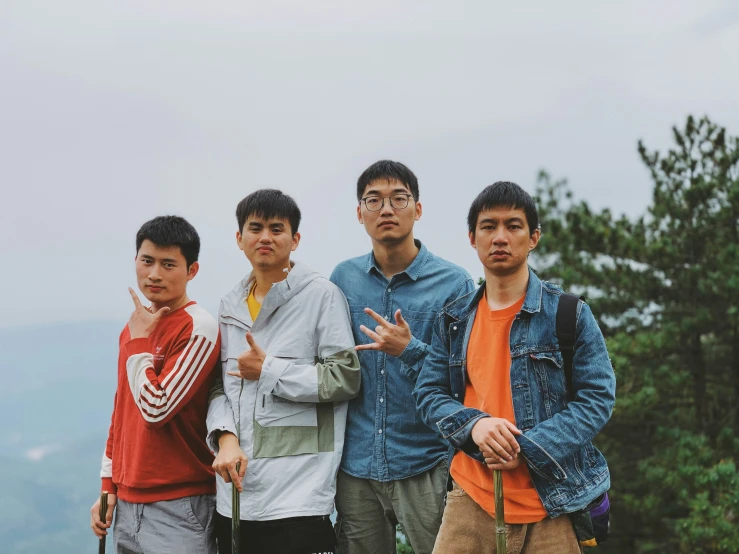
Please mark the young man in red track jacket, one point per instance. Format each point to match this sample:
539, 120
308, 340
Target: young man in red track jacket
157, 467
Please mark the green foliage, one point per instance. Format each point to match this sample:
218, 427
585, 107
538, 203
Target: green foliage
401, 542
665, 288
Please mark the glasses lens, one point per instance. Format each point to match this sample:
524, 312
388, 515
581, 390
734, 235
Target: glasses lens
400, 201
373, 203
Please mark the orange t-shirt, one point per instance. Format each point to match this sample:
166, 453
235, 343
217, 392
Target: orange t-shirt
489, 389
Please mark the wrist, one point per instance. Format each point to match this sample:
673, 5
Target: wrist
226, 439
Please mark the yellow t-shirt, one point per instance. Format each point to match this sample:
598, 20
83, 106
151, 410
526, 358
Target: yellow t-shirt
489, 390
251, 302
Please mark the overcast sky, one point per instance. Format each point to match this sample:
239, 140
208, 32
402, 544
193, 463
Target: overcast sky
114, 112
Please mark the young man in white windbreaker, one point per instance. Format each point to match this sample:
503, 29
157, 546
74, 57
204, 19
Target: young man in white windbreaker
288, 369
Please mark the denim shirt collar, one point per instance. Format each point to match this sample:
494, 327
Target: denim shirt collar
413, 271
462, 307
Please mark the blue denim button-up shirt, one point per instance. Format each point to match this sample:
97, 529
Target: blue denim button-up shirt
568, 472
385, 437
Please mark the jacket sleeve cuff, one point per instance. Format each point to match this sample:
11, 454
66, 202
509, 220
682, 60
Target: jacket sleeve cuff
272, 370
137, 346
414, 354
108, 486
457, 428
539, 459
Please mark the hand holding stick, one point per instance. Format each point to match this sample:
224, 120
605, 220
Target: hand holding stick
235, 515
103, 515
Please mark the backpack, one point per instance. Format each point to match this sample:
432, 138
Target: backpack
592, 523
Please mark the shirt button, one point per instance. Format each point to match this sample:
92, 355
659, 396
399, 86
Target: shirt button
381, 400
387, 317
379, 431
382, 372
456, 395
390, 289
455, 327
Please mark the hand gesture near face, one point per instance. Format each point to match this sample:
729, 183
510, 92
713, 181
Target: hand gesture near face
389, 338
250, 361
142, 322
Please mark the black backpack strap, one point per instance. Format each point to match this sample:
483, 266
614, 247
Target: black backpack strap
566, 331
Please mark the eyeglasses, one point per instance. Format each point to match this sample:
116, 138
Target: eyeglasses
375, 203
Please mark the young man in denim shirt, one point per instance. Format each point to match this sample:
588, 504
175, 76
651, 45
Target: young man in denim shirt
493, 385
394, 467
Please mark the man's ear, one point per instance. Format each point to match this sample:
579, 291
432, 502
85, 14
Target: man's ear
296, 241
238, 240
473, 242
419, 211
192, 271
534, 239
359, 214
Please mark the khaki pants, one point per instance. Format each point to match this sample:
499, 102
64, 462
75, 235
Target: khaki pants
468, 529
368, 511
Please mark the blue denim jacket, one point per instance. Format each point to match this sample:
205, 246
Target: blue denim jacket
568, 472
385, 437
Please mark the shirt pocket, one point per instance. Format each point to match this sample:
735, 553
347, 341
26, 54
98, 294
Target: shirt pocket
549, 369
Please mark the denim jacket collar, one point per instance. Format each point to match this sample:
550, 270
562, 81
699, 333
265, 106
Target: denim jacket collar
413, 271
461, 308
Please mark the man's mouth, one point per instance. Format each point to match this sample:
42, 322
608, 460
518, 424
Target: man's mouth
264, 249
500, 254
387, 224
155, 288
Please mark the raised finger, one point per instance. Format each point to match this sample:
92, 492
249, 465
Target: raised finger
250, 339
134, 296
377, 317
400, 320
371, 334
370, 346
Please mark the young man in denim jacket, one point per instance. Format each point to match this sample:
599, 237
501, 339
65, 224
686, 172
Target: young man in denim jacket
493, 385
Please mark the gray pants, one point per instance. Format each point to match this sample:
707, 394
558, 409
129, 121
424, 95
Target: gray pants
180, 526
368, 512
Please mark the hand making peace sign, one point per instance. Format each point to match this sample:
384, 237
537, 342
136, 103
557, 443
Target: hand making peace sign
389, 338
142, 322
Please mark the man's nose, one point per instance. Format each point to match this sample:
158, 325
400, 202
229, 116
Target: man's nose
265, 236
386, 209
154, 273
500, 237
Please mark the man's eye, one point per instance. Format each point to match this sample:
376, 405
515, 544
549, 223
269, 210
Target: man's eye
373, 202
515, 227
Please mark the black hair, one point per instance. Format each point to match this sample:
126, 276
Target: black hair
267, 204
171, 230
504, 194
386, 169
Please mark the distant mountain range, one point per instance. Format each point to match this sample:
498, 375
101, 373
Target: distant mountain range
56, 398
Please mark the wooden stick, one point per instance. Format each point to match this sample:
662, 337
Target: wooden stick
235, 515
103, 517
500, 536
